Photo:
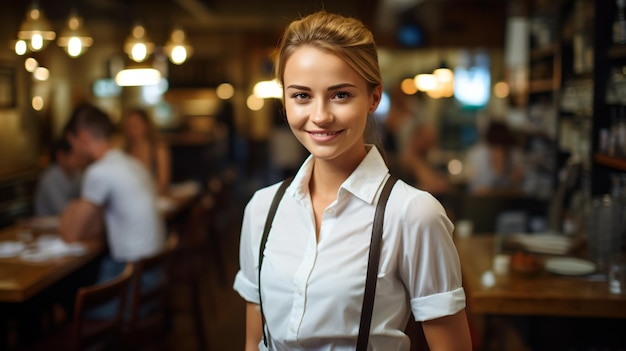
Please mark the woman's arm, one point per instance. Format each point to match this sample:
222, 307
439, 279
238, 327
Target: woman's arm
254, 327
163, 168
448, 333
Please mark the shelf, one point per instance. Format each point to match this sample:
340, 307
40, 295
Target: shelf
617, 52
618, 163
541, 86
543, 52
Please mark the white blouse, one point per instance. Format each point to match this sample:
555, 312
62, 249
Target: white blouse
313, 289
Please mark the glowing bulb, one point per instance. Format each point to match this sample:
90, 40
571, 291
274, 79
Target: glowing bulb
254, 103
41, 73
408, 86
36, 41
74, 47
179, 54
37, 103
20, 47
31, 64
225, 91
139, 52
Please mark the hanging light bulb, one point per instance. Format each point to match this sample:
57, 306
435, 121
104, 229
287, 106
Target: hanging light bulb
177, 48
75, 39
36, 30
137, 45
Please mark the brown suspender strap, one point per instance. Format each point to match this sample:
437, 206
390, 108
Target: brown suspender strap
372, 266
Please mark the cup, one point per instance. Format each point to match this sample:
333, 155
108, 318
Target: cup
603, 231
617, 276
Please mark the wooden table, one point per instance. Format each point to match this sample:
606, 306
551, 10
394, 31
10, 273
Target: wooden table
20, 280
545, 294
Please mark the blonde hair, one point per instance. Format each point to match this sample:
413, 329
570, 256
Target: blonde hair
348, 38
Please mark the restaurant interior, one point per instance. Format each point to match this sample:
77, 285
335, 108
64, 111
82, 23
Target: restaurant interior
536, 82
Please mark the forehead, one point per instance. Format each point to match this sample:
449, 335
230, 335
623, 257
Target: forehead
313, 65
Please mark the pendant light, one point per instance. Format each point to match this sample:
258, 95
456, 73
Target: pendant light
74, 38
137, 45
177, 48
36, 30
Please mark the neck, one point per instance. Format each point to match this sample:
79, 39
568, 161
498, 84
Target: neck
328, 175
100, 148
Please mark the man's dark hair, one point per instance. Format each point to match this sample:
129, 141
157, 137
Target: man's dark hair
60, 145
91, 119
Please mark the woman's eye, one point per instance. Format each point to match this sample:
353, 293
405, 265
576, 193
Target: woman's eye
342, 95
299, 96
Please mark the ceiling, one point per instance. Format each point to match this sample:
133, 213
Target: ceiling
202, 16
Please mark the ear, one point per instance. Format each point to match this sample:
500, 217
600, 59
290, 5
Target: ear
375, 97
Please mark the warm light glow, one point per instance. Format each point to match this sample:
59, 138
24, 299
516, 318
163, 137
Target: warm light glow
36, 30
75, 38
268, 89
138, 77
31, 64
139, 52
501, 90
408, 86
20, 47
36, 42
178, 55
455, 167
177, 47
37, 103
137, 45
444, 74
426, 82
225, 91
255, 103
41, 73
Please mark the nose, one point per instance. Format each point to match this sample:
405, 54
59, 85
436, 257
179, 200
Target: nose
321, 113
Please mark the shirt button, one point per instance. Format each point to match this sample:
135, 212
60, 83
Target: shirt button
331, 211
292, 328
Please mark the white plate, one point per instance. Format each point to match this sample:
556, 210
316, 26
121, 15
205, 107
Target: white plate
569, 266
11, 248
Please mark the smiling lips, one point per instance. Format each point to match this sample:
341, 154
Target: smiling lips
324, 135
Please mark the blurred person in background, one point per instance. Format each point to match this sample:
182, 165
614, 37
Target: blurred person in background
60, 182
415, 166
141, 140
118, 199
495, 164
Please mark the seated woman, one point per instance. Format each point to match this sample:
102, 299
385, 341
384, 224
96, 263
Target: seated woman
495, 165
141, 141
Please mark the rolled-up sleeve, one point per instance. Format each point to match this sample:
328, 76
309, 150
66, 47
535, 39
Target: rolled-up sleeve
246, 280
430, 265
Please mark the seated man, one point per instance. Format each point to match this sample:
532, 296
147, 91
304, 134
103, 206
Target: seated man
60, 182
116, 188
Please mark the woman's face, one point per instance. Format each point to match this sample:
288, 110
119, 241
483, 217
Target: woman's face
327, 103
135, 128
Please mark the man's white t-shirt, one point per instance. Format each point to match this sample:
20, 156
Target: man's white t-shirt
313, 289
125, 189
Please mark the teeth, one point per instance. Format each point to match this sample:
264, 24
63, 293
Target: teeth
325, 134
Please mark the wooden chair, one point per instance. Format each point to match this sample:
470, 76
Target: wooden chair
149, 306
85, 333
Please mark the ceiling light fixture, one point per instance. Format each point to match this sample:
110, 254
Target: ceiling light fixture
137, 45
75, 39
36, 30
177, 48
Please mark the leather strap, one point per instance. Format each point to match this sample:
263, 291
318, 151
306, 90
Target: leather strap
372, 266
266, 231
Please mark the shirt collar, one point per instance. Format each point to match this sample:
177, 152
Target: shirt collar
363, 183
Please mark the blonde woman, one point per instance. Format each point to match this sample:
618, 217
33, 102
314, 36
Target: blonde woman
315, 259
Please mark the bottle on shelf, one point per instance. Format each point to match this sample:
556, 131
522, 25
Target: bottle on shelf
619, 24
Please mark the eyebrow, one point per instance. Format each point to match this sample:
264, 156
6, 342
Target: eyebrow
331, 88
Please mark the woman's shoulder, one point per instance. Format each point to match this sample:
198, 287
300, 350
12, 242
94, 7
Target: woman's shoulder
262, 198
414, 204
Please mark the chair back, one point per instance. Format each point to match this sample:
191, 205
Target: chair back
88, 333
150, 296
